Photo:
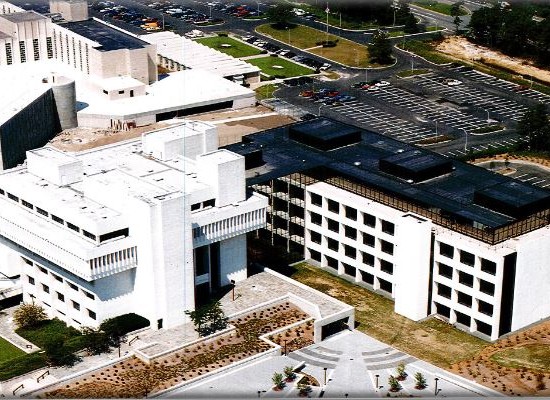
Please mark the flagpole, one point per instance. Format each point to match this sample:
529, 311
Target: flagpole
327, 11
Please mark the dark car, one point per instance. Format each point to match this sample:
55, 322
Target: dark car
308, 117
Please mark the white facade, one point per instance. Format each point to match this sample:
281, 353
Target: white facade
115, 229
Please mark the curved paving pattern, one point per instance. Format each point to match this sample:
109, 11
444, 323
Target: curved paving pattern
318, 356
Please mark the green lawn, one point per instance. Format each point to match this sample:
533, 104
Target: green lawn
269, 65
237, 49
8, 351
426, 50
442, 8
346, 52
334, 18
532, 356
45, 331
265, 91
431, 340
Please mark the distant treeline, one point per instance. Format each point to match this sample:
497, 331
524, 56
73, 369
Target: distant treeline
515, 28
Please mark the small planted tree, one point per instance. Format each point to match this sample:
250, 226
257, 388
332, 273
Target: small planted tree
95, 341
304, 390
208, 319
289, 373
395, 386
420, 381
401, 373
113, 333
278, 381
57, 353
29, 315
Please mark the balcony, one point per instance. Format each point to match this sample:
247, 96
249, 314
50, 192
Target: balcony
216, 224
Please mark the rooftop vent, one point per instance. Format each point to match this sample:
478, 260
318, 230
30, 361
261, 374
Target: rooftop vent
323, 134
415, 165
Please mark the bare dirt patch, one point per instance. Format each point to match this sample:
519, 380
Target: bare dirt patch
461, 48
514, 365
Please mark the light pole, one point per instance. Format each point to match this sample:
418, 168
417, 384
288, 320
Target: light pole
325, 369
466, 142
436, 129
258, 3
412, 62
210, 10
367, 75
487, 116
232, 290
377, 376
435, 390
284, 340
319, 112
288, 29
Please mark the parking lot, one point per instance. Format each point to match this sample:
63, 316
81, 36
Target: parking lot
498, 107
501, 84
524, 172
431, 110
496, 144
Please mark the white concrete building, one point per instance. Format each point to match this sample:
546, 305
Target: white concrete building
438, 236
147, 226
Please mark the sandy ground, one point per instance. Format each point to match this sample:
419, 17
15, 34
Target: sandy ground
231, 128
461, 48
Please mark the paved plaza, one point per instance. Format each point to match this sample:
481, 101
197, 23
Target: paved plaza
352, 359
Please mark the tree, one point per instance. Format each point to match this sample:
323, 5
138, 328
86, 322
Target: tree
289, 373
95, 341
401, 374
281, 15
534, 125
457, 21
114, 332
380, 49
57, 353
277, 380
395, 386
29, 315
420, 381
208, 319
411, 25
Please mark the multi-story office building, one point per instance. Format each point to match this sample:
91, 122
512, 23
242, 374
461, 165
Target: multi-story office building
147, 226
438, 236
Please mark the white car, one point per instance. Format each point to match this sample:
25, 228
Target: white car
382, 83
325, 66
373, 88
453, 82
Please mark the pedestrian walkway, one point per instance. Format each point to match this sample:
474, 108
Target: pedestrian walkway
7, 331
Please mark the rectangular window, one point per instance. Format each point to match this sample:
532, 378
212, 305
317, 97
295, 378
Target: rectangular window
443, 310
465, 279
46, 288
351, 213
57, 278
315, 237
368, 240
386, 266
13, 197
36, 49
73, 227
388, 227
27, 261
316, 199
58, 220
463, 319
316, 218
89, 295
350, 232
445, 270
89, 235
315, 255
121, 92
72, 286
9, 58
489, 267
368, 259
43, 270
464, 299
443, 290
76, 306
27, 204
332, 244
60, 297
332, 262
209, 203
195, 207
333, 225
485, 308
350, 251
22, 51
467, 258
486, 287
369, 220
386, 247
366, 277
80, 54
42, 212
49, 47
333, 206
87, 59
385, 285
446, 250
31, 280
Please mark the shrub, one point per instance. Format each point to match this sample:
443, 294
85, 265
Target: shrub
277, 380
58, 353
124, 323
420, 381
401, 374
222, 34
289, 373
95, 341
395, 386
29, 315
21, 365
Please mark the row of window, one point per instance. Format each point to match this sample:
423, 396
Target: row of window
464, 319
61, 52
465, 299
352, 214
466, 279
75, 305
102, 238
366, 258
467, 258
57, 278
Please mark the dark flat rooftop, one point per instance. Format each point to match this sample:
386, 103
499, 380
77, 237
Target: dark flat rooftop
109, 38
23, 16
466, 191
